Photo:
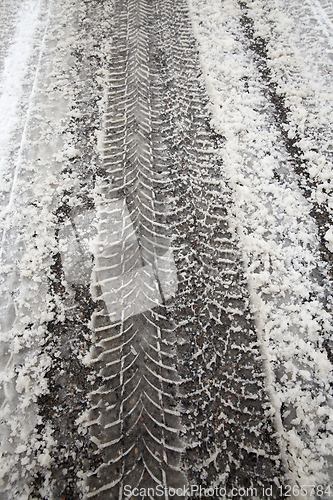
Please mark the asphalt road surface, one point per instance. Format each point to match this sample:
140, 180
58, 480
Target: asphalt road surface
166, 249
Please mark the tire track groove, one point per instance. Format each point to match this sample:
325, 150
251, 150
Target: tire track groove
134, 421
226, 408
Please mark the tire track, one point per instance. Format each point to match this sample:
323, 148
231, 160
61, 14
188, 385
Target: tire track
158, 150
134, 420
226, 409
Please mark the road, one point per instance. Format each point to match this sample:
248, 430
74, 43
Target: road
166, 255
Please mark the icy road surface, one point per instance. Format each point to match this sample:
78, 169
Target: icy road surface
166, 249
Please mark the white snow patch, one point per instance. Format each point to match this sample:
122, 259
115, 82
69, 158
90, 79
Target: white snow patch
37, 117
276, 232
13, 78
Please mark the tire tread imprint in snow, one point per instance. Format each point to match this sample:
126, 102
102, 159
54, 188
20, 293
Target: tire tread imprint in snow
230, 435
157, 123
134, 419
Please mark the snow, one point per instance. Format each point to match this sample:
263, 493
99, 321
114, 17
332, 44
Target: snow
272, 218
304, 78
278, 237
37, 114
120, 276
13, 80
329, 238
